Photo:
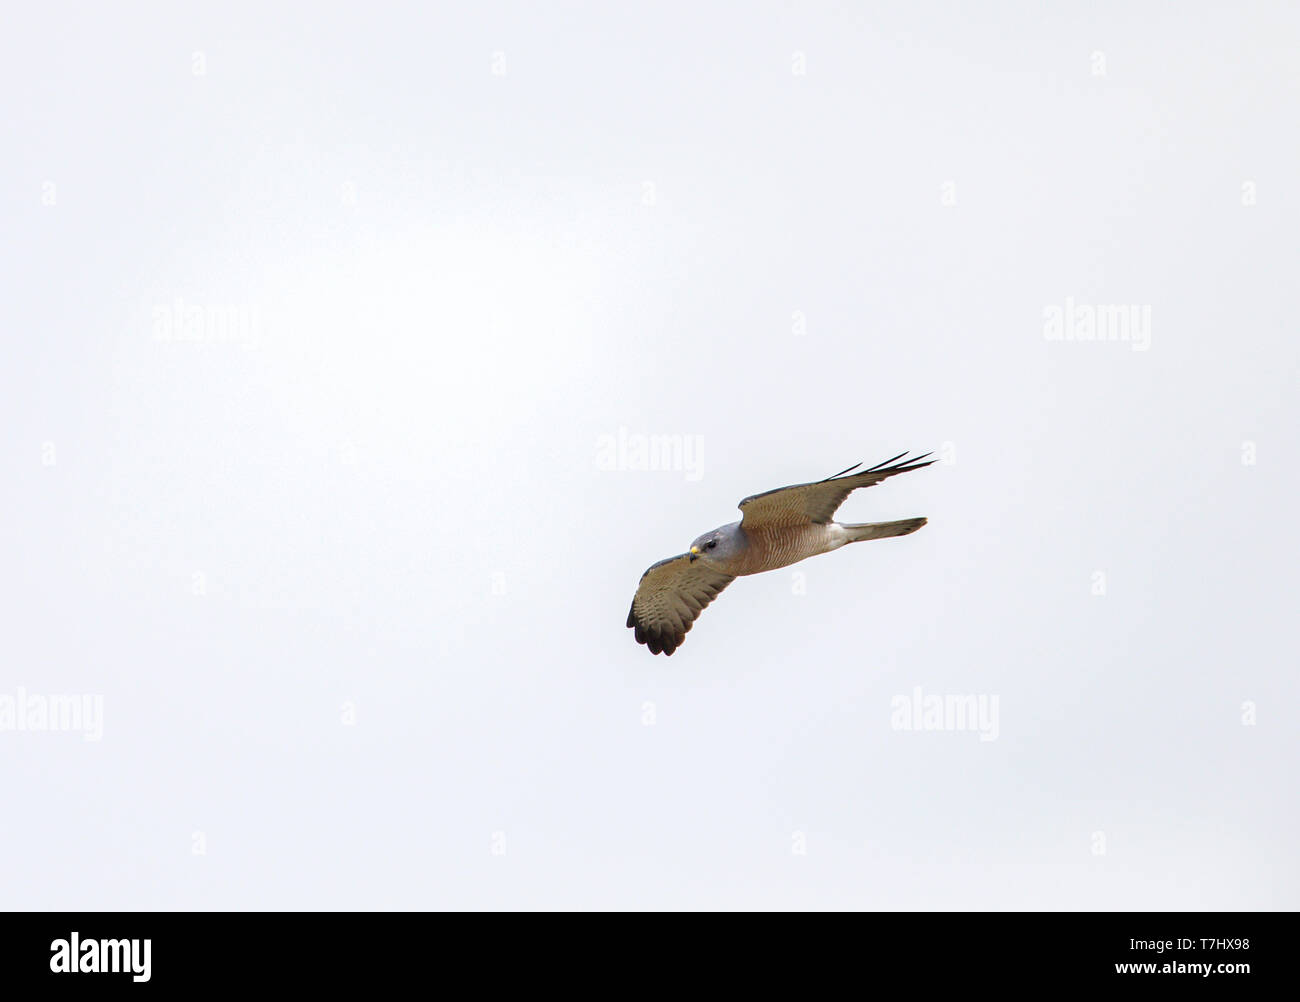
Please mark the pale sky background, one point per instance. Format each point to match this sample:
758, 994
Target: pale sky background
472, 242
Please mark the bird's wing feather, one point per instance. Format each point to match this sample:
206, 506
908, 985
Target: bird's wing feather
802, 504
669, 599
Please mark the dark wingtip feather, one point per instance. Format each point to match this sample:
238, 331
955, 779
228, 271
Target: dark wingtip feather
893, 466
657, 640
880, 466
842, 472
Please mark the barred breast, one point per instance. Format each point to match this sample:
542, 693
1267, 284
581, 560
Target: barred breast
780, 547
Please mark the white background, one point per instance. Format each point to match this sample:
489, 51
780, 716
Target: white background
462, 279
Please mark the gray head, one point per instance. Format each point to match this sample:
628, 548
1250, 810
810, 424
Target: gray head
720, 545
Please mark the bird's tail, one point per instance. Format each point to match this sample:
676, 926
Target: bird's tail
882, 530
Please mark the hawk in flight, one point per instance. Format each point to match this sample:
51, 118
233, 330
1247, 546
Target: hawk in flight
779, 528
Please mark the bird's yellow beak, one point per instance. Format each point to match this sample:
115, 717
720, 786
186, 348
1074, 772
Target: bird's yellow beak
695, 550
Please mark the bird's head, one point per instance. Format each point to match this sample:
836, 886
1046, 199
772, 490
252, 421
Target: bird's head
720, 544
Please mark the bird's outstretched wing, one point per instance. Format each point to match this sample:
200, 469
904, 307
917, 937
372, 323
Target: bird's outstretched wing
669, 599
801, 504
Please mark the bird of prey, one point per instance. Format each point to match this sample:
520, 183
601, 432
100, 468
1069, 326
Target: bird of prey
779, 528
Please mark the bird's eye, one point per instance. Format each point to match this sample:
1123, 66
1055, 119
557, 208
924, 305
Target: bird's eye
712, 544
